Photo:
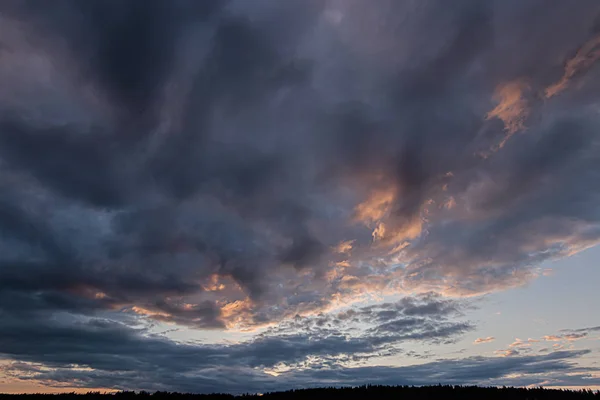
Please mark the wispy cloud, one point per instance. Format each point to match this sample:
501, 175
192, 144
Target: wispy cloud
512, 108
569, 337
586, 56
518, 343
507, 352
488, 339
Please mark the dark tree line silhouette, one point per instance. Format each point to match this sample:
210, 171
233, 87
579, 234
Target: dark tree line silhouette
367, 392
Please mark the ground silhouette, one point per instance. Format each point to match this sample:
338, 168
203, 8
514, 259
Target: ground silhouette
362, 392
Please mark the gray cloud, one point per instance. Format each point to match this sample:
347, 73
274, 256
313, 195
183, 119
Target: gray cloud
582, 330
236, 156
106, 346
200, 163
323, 335
548, 370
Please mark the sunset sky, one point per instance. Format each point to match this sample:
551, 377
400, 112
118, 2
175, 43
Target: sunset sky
256, 195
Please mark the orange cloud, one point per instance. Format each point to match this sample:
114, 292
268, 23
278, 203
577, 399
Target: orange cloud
506, 353
391, 235
214, 285
377, 205
518, 343
484, 340
585, 57
512, 108
375, 212
237, 313
569, 337
150, 313
344, 247
450, 203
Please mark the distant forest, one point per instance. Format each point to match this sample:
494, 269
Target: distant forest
363, 392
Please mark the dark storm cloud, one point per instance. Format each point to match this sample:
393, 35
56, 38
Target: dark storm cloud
231, 186
231, 148
129, 47
229, 164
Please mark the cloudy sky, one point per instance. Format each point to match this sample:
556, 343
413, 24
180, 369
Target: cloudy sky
254, 195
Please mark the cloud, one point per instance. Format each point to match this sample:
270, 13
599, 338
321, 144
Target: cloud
518, 347
230, 165
248, 168
562, 341
554, 369
512, 108
582, 330
518, 343
101, 346
585, 57
488, 339
569, 337
507, 352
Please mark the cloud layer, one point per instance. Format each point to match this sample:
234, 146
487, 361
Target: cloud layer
235, 164
90, 352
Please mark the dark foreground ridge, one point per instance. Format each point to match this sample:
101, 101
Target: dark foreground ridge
362, 392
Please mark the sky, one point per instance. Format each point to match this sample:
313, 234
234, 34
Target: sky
257, 195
